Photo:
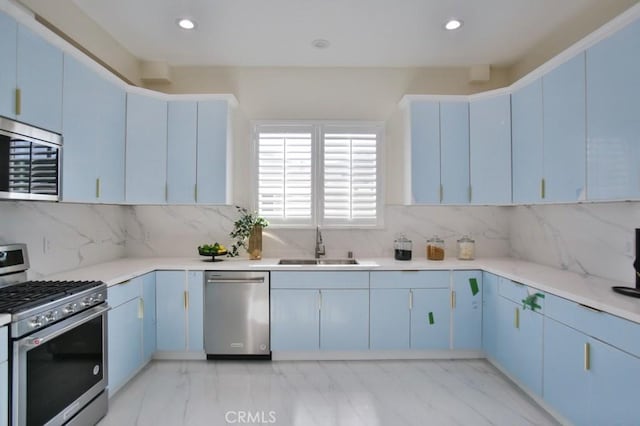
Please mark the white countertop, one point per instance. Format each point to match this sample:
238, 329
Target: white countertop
591, 291
4, 319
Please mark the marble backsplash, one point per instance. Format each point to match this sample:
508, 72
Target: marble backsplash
178, 230
63, 236
591, 238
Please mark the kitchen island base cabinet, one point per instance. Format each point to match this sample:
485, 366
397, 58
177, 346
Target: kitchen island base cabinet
295, 320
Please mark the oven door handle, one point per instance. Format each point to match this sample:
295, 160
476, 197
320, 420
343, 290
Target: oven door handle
61, 328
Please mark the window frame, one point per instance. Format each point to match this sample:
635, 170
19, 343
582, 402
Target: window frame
317, 168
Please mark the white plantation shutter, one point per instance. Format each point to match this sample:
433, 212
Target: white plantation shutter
285, 167
312, 173
350, 172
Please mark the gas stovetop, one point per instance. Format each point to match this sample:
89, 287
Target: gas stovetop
37, 304
20, 297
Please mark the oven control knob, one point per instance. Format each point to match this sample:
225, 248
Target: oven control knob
51, 316
69, 309
99, 297
87, 301
36, 322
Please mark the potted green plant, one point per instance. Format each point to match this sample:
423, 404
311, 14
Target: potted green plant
248, 227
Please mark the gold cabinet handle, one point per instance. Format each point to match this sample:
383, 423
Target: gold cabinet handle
98, 188
166, 191
195, 192
140, 308
18, 101
441, 192
470, 193
186, 300
453, 300
410, 300
319, 300
587, 357
543, 188
516, 320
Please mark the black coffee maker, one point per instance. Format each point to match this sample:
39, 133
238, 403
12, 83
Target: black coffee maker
630, 291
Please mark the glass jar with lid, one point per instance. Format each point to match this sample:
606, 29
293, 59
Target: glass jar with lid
466, 248
435, 248
402, 248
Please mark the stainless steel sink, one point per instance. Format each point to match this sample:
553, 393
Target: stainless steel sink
318, 262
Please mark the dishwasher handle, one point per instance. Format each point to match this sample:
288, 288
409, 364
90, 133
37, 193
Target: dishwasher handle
236, 280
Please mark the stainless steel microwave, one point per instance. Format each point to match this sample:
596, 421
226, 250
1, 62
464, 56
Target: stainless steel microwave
29, 162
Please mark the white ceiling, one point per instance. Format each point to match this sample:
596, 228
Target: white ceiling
372, 33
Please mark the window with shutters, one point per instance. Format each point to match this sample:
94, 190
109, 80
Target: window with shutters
318, 173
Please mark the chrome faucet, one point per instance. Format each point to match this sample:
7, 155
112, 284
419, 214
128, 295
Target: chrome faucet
319, 245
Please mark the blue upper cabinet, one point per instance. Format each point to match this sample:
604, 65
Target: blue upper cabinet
8, 46
39, 77
182, 137
613, 121
564, 131
425, 152
454, 152
490, 150
527, 140
146, 149
94, 130
213, 183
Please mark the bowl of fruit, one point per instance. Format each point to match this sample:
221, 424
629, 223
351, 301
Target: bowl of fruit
212, 250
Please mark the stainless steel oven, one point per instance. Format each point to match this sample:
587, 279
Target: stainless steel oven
29, 162
60, 371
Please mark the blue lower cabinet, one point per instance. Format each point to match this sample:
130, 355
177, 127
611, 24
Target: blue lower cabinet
170, 311
4, 393
344, 320
125, 343
390, 318
149, 315
566, 384
490, 314
430, 319
467, 310
195, 311
295, 320
520, 334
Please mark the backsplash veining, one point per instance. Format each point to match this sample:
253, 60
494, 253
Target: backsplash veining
63, 236
594, 239
178, 230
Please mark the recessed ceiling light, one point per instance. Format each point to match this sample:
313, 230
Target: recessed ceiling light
186, 23
453, 24
320, 43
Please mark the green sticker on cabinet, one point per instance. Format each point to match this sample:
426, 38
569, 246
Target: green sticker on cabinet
431, 318
473, 283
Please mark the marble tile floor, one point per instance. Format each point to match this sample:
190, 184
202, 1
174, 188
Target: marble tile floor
344, 393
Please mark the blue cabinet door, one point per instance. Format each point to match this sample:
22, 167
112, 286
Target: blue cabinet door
182, 138
430, 318
506, 337
614, 386
213, 121
295, 320
146, 149
4, 393
490, 150
467, 310
613, 123
390, 318
195, 311
39, 76
8, 78
566, 383
564, 131
149, 332
425, 152
527, 139
490, 314
170, 311
125, 343
454, 152
344, 320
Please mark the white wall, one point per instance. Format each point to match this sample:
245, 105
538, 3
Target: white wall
594, 239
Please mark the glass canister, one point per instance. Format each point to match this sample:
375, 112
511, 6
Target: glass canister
402, 248
466, 248
435, 248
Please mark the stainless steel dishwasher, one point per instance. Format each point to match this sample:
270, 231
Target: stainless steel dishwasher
236, 315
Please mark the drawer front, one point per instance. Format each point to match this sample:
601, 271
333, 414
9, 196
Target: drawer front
4, 342
122, 293
410, 279
320, 280
521, 294
616, 331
